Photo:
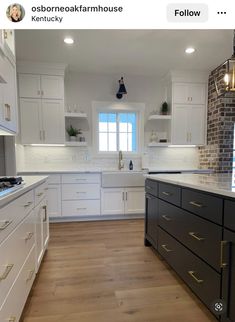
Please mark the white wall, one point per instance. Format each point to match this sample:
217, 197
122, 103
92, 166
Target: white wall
2, 156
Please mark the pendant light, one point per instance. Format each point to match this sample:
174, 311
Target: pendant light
122, 89
225, 78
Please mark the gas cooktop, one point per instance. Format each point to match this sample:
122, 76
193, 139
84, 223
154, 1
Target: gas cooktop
9, 185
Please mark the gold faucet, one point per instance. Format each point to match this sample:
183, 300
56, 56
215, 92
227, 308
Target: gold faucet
120, 160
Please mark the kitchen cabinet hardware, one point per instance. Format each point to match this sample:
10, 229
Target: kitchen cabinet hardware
45, 213
166, 193
223, 264
194, 235
80, 179
31, 273
42, 93
29, 236
12, 319
81, 208
126, 195
6, 272
196, 204
167, 218
7, 112
39, 194
5, 34
80, 191
192, 274
123, 195
148, 187
4, 224
166, 248
149, 197
28, 204
44, 135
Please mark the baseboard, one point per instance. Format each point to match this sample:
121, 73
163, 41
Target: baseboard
96, 218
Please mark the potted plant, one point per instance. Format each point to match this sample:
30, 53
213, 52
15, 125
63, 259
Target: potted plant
72, 132
164, 108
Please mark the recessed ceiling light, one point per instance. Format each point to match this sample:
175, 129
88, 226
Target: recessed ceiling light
68, 40
190, 50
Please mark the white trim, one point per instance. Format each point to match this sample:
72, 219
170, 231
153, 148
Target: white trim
27, 67
100, 106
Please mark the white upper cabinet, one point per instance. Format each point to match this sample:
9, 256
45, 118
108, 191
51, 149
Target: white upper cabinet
189, 93
41, 86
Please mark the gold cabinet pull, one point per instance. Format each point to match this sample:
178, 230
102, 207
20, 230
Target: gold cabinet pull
166, 218
7, 112
29, 203
6, 272
45, 211
166, 249
223, 264
81, 208
4, 224
196, 204
31, 273
80, 191
193, 234
148, 187
5, 34
39, 194
29, 236
12, 319
166, 193
80, 179
192, 274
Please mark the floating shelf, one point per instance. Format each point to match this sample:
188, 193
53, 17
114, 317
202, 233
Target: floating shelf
157, 144
159, 117
76, 115
71, 143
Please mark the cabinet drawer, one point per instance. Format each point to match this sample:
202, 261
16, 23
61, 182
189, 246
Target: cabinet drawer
17, 297
170, 193
80, 191
14, 212
199, 235
81, 208
199, 276
81, 178
151, 187
13, 253
53, 179
229, 214
204, 205
40, 193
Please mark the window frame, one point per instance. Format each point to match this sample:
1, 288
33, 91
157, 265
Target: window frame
109, 107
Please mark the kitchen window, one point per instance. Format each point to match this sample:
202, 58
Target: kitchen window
118, 126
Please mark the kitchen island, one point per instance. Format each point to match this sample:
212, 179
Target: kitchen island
190, 222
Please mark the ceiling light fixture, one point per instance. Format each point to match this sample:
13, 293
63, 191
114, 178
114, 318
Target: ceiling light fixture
122, 89
68, 40
190, 50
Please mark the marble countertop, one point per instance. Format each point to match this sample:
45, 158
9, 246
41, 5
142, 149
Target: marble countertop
88, 170
218, 183
28, 184
163, 170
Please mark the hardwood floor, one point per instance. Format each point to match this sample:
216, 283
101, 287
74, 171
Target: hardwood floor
101, 272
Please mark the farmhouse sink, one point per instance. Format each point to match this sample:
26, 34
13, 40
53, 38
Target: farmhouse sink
112, 179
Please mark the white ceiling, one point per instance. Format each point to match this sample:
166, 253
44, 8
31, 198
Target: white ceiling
133, 52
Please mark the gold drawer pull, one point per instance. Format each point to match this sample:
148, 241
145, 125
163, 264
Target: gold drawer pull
12, 319
81, 208
80, 191
191, 273
78, 179
28, 204
193, 234
7, 112
29, 236
223, 264
166, 193
166, 249
166, 218
148, 187
45, 213
31, 273
7, 271
196, 204
40, 194
5, 34
4, 224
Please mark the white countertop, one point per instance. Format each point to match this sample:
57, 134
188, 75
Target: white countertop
164, 170
219, 183
93, 170
28, 184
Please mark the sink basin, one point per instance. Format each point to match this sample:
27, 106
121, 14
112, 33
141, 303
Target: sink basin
113, 179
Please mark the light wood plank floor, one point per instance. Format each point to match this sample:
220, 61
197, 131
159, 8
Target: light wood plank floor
101, 272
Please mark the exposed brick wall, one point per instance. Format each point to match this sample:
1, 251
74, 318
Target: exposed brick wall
218, 153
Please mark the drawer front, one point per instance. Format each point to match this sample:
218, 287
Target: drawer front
204, 205
14, 212
80, 191
81, 178
54, 179
15, 301
81, 208
170, 193
151, 187
199, 235
229, 214
199, 276
40, 193
13, 253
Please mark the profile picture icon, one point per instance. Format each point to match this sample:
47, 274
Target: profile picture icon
15, 12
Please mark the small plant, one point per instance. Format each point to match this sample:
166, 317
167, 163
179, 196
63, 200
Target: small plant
164, 108
72, 131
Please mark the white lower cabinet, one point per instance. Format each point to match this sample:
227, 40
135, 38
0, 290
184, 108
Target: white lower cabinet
117, 201
54, 200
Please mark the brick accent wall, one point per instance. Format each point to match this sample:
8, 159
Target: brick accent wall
218, 153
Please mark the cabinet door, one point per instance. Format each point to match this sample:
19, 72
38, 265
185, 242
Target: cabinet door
112, 201
54, 200
31, 129
39, 215
197, 124
197, 93
45, 226
151, 219
52, 87
181, 93
29, 86
9, 42
134, 201
180, 125
53, 121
